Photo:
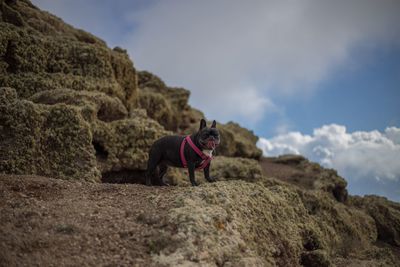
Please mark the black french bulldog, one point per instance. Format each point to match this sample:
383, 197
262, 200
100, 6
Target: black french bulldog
167, 151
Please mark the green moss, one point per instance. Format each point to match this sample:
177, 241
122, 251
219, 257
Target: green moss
45, 140
104, 107
126, 142
386, 215
238, 222
238, 141
45, 54
225, 168
158, 108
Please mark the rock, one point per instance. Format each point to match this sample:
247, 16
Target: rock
222, 169
70, 134
289, 159
158, 108
65, 70
238, 141
301, 172
226, 168
240, 223
103, 107
46, 140
121, 141
317, 258
386, 215
167, 105
40, 52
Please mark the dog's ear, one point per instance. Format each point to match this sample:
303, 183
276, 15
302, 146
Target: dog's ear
214, 124
202, 124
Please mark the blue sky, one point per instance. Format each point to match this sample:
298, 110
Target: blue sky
363, 96
320, 78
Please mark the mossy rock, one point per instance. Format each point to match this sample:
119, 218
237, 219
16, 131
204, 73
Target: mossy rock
158, 108
386, 215
167, 105
45, 140
299, 171
125, 143
238, 223
222, 169
227, 168
104, 107
121, 139
238, 141
40, 52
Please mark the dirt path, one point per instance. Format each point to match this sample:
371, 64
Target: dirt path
48, 222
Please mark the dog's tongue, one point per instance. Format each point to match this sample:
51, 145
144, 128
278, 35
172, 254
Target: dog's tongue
211, 144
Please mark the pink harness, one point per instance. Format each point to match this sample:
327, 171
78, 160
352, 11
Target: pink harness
206, 158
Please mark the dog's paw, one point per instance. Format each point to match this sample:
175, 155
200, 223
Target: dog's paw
211, 179
194, 183
164, 184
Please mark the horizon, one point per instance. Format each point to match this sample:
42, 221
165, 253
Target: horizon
311, 78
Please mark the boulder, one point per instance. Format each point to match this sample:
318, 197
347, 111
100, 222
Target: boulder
40, 52
238, 141
45, 140
386, 214
299, 171
167, 105
238, 223
121, 140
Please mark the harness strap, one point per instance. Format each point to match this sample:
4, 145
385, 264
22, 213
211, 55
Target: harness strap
206, 159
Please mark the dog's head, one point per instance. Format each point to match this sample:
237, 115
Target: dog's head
208, 138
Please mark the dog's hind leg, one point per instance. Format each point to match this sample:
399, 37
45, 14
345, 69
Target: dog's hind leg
152, 163
150, 173
162, 171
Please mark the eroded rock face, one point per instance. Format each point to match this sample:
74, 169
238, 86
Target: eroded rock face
167, 105
237, 223
90, 90
40, 52
46, 140
301, 172
238, 142
82, 135
121, 140
386, 214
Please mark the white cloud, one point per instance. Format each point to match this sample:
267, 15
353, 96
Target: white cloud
222, 48
236, 56
358, 156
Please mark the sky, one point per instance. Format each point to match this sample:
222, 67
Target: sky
312, 77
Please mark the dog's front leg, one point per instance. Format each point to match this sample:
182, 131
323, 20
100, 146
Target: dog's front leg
207, 174
191, 166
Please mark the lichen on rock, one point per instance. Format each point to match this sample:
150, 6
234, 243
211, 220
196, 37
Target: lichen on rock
386, 215
238, 223
41, 52
297, 170
45, 140
167, 105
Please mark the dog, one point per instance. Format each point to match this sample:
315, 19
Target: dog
191, 152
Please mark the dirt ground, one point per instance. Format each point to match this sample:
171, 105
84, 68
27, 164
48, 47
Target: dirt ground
48, 222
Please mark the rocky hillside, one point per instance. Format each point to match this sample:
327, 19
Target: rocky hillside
76, 116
